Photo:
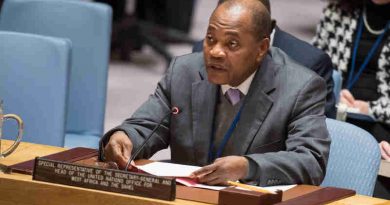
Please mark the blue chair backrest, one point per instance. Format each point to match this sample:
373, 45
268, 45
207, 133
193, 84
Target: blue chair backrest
88, 26
34, 72
354, 158
338, 81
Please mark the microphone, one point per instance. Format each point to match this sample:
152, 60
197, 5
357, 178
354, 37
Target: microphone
174, 111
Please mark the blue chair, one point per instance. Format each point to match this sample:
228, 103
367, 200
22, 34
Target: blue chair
354, 158
88, 26
338, 81
34, 74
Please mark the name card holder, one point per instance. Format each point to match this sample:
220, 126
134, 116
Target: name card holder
232, 196
111, 180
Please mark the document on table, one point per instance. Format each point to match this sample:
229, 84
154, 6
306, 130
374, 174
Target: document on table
164, 169
182, 173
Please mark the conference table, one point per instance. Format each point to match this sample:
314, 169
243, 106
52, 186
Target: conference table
20, 189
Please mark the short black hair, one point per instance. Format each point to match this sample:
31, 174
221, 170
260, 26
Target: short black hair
261, 19
264, 2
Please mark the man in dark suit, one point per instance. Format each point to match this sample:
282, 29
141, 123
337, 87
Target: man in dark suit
302, 52
246, 112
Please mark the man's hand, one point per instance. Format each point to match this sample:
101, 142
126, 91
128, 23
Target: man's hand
118, 149
385, 150
223, 169
347, 98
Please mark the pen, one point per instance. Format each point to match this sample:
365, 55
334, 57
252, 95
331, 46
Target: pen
252, 188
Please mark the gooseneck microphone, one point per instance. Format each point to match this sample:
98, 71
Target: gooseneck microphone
174, 111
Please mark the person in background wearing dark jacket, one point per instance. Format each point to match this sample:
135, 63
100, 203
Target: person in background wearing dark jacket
355, 34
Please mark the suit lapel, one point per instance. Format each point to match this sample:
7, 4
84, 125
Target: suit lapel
204, 96
256, 107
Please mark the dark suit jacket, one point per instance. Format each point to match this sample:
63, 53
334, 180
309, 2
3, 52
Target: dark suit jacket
307, 55
282, 126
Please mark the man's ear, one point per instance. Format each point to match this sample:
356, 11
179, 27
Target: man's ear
263, 48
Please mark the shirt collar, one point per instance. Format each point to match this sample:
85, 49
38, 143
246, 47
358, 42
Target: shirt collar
272, 37
243, 87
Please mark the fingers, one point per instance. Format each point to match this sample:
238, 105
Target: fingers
215, 178
118, 149
347, 98
217, 181
346, 102
109, 152
114, 152
210, 175
222, 170
126, 152
132, 163
210, 178
385, 150
203, 171
347, 95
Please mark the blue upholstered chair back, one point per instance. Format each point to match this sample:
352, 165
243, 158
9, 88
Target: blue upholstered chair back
34, 73
338, 81
354, 158
88, 26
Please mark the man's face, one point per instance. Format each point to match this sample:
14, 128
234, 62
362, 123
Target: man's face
231, 50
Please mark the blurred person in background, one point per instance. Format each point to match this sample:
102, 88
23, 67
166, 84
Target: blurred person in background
355, 34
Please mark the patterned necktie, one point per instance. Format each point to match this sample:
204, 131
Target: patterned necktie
233, 95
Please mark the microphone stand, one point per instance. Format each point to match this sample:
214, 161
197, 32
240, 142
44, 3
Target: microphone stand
174, 111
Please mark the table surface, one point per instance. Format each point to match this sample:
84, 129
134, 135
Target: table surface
21, 189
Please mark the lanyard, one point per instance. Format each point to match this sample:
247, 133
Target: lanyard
226, 138
353, 78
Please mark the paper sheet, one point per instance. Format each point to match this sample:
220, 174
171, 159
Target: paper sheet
192, 183
165, 169
182, 173
280, 187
